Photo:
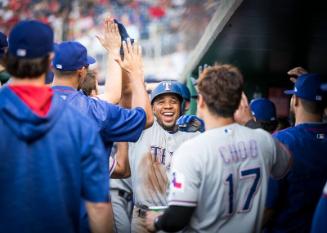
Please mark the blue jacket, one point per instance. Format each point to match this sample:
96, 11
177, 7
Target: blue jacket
114, 123
46, 165
294, 198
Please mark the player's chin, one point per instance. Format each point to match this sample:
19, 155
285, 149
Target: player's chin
169, 125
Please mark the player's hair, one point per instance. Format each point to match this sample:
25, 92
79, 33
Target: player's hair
90, 83
26, 68
312, 107
221, 87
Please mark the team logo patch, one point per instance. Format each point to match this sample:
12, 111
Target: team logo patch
59, 66
167, 86
21, 52
177, 182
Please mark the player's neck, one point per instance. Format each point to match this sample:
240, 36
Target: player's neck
212, 122
37, 81
65, 81
307, 118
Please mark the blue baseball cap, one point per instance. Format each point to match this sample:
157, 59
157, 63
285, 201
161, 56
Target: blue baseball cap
30, 39
166, 87
71, 56
263, 109
3, 43
307, 87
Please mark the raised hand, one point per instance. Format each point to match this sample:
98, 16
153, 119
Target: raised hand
132, 62
110, 39
243, 114
296, 72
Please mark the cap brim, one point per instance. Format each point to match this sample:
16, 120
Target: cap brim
90, 60
324, 87
289, 92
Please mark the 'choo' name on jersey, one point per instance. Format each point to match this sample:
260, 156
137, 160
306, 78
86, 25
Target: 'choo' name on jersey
239, 151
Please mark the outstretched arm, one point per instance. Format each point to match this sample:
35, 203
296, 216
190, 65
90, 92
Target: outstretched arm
132, 65
111, 41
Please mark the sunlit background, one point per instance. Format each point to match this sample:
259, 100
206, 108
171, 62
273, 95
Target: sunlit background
168, 30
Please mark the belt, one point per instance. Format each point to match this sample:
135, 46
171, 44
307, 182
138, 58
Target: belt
124, 194
128, 196
141, 210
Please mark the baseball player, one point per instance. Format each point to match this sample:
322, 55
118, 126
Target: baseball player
150, 157
291, 201
50, 155
319, 224
113, 122
218, 179
264, 112
120, 189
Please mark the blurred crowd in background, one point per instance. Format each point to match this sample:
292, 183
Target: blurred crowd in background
168, 29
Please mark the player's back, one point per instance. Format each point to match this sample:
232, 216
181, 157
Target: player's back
44, 166
295, 197
229, 169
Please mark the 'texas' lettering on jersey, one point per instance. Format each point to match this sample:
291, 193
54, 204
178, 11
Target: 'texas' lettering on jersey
161, 155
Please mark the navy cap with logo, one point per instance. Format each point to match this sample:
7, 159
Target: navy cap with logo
307, 87
30, 39
3, 43
71, 56
263, 109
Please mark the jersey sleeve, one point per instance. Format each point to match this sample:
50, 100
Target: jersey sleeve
282, 160
94, 169
116, 123
277, 188
185, 178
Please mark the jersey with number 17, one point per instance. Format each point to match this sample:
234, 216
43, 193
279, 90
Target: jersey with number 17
224, 174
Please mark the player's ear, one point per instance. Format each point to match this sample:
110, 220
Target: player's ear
296, 100
81, 72
201, 102
51, 56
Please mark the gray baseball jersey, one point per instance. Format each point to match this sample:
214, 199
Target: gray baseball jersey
150, 159
224, 173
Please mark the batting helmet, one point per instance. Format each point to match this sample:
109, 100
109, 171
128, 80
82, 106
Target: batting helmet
185, 91
166, 87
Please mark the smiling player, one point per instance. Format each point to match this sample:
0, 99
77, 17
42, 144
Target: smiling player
150, 156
